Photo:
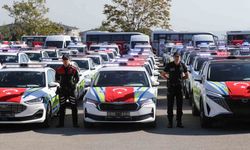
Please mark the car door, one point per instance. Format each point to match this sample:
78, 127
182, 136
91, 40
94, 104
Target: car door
52, 90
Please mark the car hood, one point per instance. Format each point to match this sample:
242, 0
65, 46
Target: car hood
231, 88
120, 94
17, 95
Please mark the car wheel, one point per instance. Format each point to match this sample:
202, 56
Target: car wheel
87, 124
195, 111
153, 124
48, 120
205, 121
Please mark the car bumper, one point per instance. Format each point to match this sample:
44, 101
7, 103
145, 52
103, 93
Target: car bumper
144, 114
35, 113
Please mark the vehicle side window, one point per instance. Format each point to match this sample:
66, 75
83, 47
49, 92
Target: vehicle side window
51, 76
25, 58
203, 69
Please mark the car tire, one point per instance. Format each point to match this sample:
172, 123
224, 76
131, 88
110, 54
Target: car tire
195, 111
204, 121
87, 124
48, 117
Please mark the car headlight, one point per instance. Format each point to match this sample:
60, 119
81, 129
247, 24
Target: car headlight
214, 96
91, 101
87, 76
34, 101
146, 102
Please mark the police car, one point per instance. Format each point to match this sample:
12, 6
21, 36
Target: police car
13, 57
97, 59
55, 63
27, 94
53, 53
223, 90
36, 55
87, 69
120, 95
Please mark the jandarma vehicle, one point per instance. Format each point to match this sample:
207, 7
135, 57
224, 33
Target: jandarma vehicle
120, 95
223, 90
27, 94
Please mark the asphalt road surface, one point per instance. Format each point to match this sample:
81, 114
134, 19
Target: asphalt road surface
227, 136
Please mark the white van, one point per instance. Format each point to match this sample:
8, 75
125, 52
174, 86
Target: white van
139, 39
203, 38
58, 41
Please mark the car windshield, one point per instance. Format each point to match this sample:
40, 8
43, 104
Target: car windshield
105, 57
92, 48
22, 79
191, 59
57, 44
52, 53
229, 72
121, 78
198, 64
96, 60
54, 66
111, 55
35, 56
83, 64
8, 59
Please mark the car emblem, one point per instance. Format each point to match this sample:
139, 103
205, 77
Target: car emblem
243, 85
120, 90
244, 100
10, 91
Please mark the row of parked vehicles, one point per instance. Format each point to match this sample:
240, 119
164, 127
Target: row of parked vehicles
218, 84
113, 88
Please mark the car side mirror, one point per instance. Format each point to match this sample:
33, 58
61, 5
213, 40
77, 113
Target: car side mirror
93, 68
199, 78
53, 84
155, 83
87, 82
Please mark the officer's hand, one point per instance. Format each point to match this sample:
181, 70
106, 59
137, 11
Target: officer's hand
164, 75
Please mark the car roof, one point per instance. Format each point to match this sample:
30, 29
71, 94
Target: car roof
122, 68
33, 51
223, 61
80, 58
9, 53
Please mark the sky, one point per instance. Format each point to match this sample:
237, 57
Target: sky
186, 15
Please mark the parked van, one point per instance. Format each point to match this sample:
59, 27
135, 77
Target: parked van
139, 39
203, 38
58, 41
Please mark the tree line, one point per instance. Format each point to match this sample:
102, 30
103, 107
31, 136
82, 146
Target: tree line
121, 15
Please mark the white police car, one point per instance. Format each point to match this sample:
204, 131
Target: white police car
120, 95
13, 57
27, 94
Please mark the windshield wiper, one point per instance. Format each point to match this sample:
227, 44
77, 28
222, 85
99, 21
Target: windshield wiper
32, 86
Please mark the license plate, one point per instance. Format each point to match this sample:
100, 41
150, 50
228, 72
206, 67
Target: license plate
118, 114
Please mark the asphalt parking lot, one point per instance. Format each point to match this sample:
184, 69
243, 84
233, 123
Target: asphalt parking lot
234, 135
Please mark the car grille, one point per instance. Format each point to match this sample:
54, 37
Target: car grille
118, 107
9, 110
239, 106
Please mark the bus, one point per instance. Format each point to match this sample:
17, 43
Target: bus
34, 40
238, 37
122, 39
160, 38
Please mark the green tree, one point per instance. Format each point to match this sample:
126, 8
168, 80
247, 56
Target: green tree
137, 15
29, 18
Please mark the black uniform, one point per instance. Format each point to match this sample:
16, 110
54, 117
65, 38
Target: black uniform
68, 77
175, 89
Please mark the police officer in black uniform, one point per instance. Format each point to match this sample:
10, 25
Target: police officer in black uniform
67, 75
175, 72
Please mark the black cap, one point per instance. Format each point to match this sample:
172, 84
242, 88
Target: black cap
65, 57
177, 53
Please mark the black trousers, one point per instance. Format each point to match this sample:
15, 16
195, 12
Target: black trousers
64, 96
175, 92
